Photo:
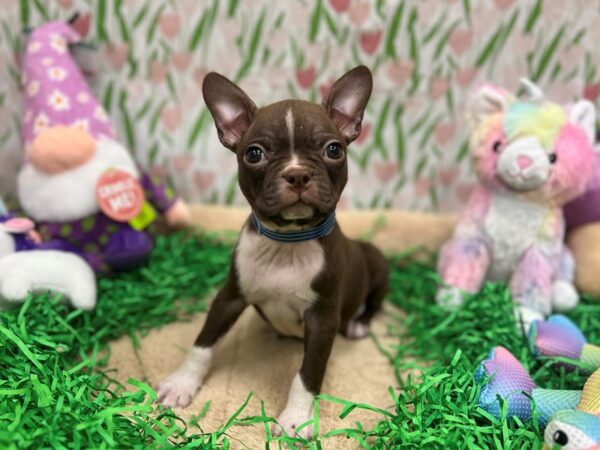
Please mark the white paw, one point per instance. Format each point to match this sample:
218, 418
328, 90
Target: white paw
290, 419
178, 389
564, 296
450, 298
525, 316
356, 330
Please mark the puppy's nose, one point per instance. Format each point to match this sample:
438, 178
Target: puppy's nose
524, 162
297, 178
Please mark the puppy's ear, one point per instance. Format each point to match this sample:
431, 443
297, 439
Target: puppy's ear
347, 100
231, 108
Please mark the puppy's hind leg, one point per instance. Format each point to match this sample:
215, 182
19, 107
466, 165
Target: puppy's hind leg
379, 274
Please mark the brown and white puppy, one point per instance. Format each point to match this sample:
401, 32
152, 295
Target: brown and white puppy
293, 167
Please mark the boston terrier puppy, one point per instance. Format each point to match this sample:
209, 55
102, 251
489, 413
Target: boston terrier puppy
292, 262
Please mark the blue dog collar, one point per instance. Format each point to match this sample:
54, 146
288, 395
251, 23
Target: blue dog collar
322, 230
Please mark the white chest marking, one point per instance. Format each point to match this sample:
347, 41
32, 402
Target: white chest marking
514, 225
277, 277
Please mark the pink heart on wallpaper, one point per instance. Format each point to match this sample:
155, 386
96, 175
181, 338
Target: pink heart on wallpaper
385, 170
443, 132
158, 72
182, 162
504, 4
400, 71
460, 40
170, 117
465, 77
306, 77
159, 171
369, 41
359, 12
116, 54
65, 4
447, 175
365, 130
82, 24
198, 75
591, 91
339, 5
422, 186
169, 24
204, 179
181, 60
464, 191
439, 87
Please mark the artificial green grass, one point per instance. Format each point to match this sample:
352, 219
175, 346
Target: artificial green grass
54, 393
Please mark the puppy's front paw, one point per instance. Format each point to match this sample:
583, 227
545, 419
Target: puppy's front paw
290, 419
178, 389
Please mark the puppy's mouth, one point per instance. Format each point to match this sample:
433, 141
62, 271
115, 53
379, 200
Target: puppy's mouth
298, 211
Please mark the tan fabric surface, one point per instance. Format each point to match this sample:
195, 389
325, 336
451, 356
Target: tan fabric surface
252, 358
585, 244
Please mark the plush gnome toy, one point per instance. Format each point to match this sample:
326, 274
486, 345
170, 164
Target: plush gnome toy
78, 182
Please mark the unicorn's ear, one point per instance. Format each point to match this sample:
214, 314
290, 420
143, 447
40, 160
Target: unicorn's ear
488, 100
583, 113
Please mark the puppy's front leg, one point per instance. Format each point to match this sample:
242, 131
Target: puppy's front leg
320, 329
179, 388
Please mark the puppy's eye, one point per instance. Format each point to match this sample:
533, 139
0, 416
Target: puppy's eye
254, 154
334, 150
497, 146
552, 157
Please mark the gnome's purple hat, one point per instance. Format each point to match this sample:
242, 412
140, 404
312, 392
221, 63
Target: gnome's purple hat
54, 89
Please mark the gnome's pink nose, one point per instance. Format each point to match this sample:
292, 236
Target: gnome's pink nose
61, 148
524, 162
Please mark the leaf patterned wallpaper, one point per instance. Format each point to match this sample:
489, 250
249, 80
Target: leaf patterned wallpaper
426, 55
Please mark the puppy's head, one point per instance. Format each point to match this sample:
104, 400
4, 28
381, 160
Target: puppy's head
292, 155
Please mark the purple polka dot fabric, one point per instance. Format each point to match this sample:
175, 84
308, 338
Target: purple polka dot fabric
54, 89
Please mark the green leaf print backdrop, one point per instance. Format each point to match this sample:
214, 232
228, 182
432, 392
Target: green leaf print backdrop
425, 55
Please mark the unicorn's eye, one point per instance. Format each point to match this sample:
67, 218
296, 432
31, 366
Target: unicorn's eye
560, 438
552, 157
496, 146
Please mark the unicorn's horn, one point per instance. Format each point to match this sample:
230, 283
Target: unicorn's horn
535, 93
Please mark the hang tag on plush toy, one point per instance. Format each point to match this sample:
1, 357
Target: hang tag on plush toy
120, 195
18, 225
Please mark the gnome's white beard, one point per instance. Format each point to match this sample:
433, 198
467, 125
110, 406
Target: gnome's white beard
71, 195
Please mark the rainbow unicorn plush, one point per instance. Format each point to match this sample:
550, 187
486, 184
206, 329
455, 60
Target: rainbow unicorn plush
531, 157
571, 418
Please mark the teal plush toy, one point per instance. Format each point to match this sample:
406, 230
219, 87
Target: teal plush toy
571, 418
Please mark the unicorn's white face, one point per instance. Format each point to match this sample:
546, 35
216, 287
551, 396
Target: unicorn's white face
71, 194
524, 165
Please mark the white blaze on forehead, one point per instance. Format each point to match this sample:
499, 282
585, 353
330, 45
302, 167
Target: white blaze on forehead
289, 123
